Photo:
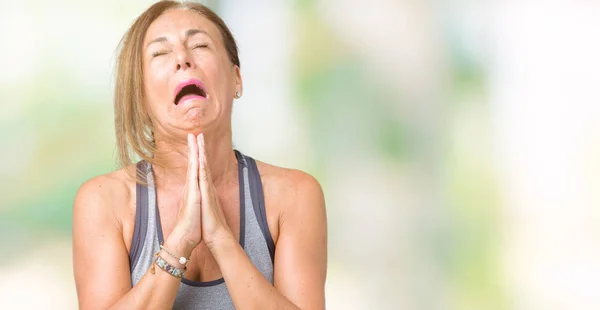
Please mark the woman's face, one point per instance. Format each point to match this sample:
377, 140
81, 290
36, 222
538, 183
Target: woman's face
189, 81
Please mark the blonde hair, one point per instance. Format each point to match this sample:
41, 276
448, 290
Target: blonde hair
133, 125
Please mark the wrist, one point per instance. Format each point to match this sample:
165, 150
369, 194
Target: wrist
178, 243
221, 239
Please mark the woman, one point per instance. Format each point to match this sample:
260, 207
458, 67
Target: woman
195, 224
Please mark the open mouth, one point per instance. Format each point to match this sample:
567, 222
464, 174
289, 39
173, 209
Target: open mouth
189, 90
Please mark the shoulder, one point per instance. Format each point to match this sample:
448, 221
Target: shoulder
291, 182
291, 191
102, 197
105, 188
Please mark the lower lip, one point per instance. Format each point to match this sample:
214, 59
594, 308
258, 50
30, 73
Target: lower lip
189, 98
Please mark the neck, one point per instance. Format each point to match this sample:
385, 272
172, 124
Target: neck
172, 154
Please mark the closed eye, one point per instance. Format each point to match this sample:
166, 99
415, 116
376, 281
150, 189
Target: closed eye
159, 53
200, 46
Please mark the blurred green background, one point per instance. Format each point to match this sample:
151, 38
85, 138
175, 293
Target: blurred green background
456, 141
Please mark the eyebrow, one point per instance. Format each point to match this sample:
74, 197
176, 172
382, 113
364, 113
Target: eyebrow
188, 34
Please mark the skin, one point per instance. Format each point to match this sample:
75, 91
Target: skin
198, 195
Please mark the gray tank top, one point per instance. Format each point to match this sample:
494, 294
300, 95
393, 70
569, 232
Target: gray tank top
254, 238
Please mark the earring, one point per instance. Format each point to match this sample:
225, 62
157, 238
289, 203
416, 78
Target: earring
237, 95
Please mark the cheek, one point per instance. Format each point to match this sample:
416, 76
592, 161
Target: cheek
208, 65
156, 84
157, 75
215, 72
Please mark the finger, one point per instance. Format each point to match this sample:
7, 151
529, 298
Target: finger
192, 163
184, 195
204, 170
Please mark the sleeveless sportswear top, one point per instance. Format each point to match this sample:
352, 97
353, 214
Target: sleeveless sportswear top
254, 237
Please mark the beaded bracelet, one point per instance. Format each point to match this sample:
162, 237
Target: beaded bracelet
160, 262
182, 260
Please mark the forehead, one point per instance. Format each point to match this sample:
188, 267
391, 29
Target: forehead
176, 22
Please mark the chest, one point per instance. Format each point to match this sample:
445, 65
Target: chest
203, 266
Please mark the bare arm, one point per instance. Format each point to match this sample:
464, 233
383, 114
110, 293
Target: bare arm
101, 263
100, 259
300, 259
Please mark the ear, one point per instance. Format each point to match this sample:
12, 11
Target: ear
237, 75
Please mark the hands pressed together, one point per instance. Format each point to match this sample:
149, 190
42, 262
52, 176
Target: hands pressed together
200, 216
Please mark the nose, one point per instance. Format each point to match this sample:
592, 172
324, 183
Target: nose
185, 65
183, 61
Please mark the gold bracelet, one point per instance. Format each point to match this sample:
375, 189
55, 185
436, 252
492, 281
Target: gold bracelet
164, 265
